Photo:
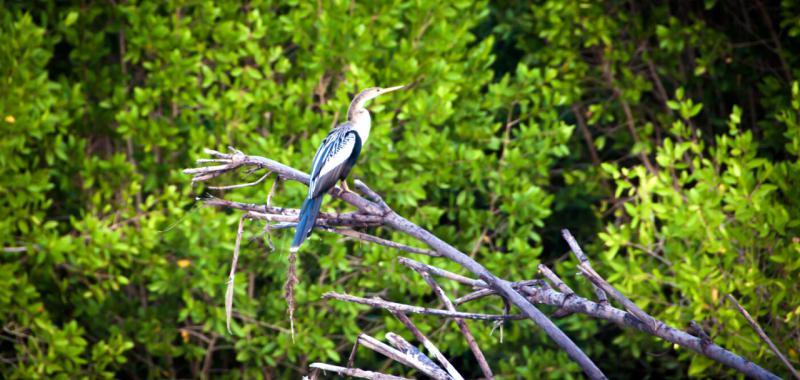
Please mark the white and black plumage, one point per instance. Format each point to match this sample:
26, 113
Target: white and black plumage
335, 158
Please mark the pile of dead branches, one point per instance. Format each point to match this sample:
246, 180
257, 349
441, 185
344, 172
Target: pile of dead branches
523, 295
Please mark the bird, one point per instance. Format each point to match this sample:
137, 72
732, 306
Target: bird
334, 159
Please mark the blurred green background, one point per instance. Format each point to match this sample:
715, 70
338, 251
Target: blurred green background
665, 135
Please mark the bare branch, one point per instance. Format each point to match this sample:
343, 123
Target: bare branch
764, 337
420, 267
488, 292
407, 348
403, 308
372, 213
501, 286
555, 280
371, 194
384, 242
239, 186
355, 372
428, 345
561, 286
473, 346
578, 252
350, 219
403, 358
232, 275
576, 304
399, 223
652, 323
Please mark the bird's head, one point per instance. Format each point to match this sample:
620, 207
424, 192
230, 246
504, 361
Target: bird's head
374, 92
368, 94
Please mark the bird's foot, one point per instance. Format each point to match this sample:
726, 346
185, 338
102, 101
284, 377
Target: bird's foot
345, 187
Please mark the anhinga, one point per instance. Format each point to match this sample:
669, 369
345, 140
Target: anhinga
334, 159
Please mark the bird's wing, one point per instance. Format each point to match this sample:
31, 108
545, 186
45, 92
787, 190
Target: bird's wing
334, 158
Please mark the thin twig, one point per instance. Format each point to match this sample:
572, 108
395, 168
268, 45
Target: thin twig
601, 283
561, 286
384, 242
288, 288
407, 348
764, 337
698, 331
241, 185
272, 190
488, 292
355, 372
555, 280
350, 219
420, 267
432, 349
403, 308
473, 345
232, 275
15, 249
403, 358
578, 252
371, 194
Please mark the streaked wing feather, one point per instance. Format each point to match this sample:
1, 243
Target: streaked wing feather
328, 144
335, 163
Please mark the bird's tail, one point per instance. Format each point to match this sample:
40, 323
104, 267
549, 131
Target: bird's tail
306, 220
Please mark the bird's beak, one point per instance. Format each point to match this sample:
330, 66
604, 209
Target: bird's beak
395, 88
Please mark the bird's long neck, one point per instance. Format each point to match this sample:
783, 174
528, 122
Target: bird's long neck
357, 105
358, 116
360, 122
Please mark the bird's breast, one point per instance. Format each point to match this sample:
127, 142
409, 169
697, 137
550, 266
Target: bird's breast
361, 124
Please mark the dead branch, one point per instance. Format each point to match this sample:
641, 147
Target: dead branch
241, 185
403, 308
380, 241
355, 372
407, 348
763, 336
375, 212
578, 252
425, 366
473, 346
428, 345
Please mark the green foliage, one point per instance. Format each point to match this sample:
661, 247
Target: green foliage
110, 268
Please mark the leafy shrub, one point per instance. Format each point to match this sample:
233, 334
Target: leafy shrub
110, 269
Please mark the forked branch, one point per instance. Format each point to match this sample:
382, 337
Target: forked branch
522, 294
